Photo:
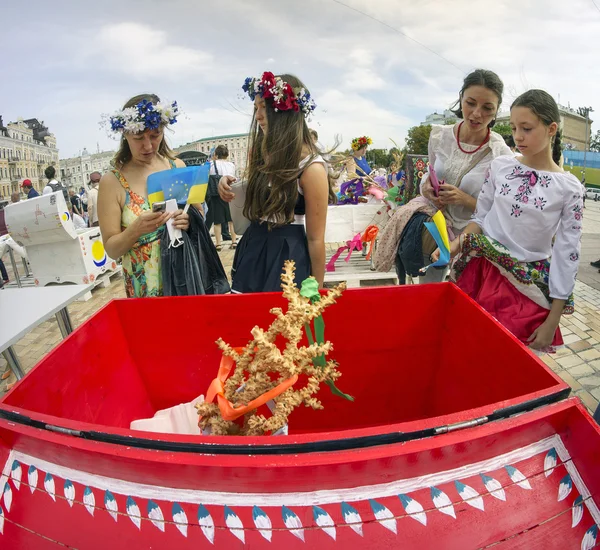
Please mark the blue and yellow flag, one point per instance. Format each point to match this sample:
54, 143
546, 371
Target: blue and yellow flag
439, 231
186, 185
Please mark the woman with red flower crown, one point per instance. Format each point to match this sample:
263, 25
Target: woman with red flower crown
288, 187
357, 165
460, 154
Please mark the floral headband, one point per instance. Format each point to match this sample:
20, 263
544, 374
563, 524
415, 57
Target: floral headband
285, 98
360, 142
144, 116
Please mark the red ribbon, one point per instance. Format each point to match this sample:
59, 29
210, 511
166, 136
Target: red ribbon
355, 243
369, 237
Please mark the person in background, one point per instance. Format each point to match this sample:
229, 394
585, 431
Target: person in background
75, 203
218, 210
78, 221
28, 188
15, 197
53, 184
93, 199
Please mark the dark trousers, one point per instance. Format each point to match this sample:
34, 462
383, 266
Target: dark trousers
3, 271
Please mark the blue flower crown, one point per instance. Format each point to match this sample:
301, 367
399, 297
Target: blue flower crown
144, 116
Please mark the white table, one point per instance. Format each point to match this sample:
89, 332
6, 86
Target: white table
22, 309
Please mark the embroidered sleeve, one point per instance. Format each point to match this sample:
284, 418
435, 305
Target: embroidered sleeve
486, 196
567, 247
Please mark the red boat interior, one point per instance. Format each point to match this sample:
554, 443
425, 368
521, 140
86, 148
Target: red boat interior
406, 353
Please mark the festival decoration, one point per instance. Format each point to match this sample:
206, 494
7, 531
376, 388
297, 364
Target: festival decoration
360, 142
143, 116
285, 98
266, 374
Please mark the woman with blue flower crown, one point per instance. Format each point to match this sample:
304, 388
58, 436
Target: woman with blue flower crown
130, 229
289, 187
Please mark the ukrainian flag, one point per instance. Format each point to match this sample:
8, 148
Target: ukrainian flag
439, 231
154, 185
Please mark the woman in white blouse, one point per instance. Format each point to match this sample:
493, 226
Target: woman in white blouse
520, 254
461, 155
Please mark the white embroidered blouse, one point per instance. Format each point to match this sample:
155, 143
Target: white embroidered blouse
524, 209
450, 162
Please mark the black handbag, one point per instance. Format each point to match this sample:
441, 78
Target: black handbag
213, 183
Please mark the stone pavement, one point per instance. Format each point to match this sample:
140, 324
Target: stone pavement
578, 363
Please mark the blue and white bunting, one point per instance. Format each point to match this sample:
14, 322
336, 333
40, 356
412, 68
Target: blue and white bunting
494, 487
15, 473
111, 504
517, 477
180, 518
133, 511
384, 516
292, 522
49, 486
589, 539
155, 516
550, 461
565, 487
352, 518
262, 523
206, 523
89, 501
413, 509
469, 495
1, 521
577, 511
32, 478
442, 502
7, 496
324, 521
69, 492
235, 524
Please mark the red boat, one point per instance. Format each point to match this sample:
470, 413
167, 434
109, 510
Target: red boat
458, 437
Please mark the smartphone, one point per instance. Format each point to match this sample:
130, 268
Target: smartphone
159, 206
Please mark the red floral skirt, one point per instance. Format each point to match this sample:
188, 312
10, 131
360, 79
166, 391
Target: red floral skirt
483, 282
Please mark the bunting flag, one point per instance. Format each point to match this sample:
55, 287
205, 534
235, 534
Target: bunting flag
180, 518
469, 495
384, 516
69, 492
32, 478
49, 486
262, 522
15, 474
589, 539
155, 515
352, 518
89, 501
7, 495
550, 462
1, 521
133, 511
494, 487
111, 504
234, 523
577, 511
206, 523
442, 502
292, 522
324, 521
439, 231
565, 487
517, 477
413, 509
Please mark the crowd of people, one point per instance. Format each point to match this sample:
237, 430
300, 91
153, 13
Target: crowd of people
494, 199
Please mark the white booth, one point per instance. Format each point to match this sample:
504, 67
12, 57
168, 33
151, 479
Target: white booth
58, 253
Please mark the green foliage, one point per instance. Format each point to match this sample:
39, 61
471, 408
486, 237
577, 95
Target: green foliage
595, 142
417, 140
502, 128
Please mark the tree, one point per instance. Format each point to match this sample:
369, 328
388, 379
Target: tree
595, 142
502, 128
378, 157
417, 140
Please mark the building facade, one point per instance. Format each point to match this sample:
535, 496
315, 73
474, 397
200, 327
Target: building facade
447, 117
75, 172
572, 125
27, 148
237, 144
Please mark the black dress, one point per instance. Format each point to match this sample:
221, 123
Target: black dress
262, 252
218, 211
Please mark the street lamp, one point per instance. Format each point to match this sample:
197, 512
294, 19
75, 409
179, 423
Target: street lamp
585, 112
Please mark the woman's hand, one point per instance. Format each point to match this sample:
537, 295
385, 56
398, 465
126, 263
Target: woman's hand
453, 195
181, 220
148, 222
542, 336
454, 250
224, 188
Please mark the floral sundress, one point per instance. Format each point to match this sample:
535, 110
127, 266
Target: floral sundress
141, 265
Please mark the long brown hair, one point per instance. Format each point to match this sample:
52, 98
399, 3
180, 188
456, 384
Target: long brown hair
273, 163
123, 155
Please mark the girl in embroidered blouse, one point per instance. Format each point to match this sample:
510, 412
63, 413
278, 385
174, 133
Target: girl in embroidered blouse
507, 259
288, 185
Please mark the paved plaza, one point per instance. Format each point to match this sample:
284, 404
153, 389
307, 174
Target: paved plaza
578, 363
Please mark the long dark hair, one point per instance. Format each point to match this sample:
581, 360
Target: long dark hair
542, 105
273, 163
480, 77
123, 155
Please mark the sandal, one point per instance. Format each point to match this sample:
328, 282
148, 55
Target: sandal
233, 246
219, 247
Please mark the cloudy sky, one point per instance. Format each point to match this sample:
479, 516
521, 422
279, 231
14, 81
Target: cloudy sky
67, 62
